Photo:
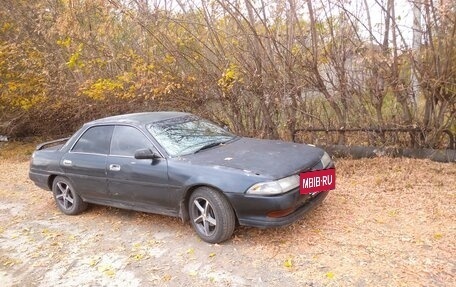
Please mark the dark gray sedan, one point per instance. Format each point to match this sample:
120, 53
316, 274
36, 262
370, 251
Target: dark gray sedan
181, 165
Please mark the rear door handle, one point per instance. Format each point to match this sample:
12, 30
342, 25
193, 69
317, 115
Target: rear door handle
67, 162
114, 167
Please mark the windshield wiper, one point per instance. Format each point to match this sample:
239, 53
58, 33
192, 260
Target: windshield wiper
209, 145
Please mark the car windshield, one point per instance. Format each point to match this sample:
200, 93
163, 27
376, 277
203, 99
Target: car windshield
189, 134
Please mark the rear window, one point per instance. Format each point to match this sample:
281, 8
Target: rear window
95, 140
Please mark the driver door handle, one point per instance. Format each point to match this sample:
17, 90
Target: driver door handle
114, 167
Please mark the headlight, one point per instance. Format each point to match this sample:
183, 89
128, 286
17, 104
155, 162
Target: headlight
275, 187
325, 160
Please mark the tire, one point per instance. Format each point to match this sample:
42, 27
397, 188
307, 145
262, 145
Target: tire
211, 215
68, 201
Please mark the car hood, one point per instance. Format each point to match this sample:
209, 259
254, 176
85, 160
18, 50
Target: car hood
269, 158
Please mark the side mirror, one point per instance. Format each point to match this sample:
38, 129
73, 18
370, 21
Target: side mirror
145, 153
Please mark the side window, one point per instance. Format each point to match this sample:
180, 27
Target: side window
95, 140
126, 140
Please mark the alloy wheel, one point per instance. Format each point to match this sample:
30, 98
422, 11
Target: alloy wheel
64, 196
205, 219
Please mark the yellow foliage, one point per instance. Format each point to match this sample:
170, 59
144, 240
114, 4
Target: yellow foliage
23, 86
98, 62
229, 77
66, 42
12, 86
169, 59
74, 61
6, 26
27, 103
295, 50
126, 77
102, 87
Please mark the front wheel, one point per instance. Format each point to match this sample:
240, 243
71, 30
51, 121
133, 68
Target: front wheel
68, 201
211, 215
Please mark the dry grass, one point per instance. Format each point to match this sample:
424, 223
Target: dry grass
390, 222
16, 151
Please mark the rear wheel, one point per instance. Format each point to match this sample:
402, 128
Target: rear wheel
211, 215
68, 201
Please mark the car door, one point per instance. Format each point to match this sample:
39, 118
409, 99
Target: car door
85, 163
141, 183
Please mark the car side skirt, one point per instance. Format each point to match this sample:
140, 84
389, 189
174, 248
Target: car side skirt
147, 208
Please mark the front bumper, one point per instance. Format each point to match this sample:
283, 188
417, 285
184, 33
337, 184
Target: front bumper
254, 210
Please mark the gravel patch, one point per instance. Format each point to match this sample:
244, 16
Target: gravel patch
390, 222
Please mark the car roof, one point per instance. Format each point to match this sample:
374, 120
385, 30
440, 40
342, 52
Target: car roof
139, 118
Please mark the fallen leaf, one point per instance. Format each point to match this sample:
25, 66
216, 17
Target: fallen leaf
330, 275
138, 256
288, 263
8, 263
392, 213
166, 277
379, 220
438, 236
94, 262
107, 270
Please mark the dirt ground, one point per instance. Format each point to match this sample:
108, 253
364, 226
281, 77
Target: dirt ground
390, 222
